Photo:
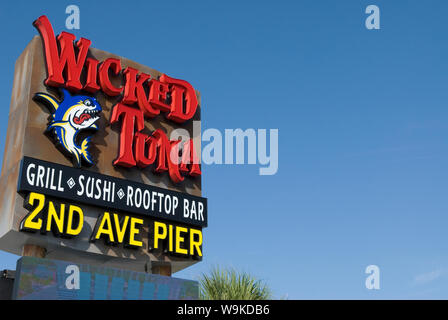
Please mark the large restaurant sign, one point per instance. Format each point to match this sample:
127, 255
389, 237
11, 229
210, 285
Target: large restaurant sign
89, 170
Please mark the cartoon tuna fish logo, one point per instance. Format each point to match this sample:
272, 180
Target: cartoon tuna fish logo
69, 117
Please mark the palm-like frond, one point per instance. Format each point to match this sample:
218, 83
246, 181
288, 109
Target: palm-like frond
228, 284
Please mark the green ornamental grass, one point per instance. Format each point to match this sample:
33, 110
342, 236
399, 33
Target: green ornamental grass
228, 284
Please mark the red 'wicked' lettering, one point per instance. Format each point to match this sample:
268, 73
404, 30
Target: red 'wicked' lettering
65, 60
92, 72
181, 91
158, 95
134, 92
106, 85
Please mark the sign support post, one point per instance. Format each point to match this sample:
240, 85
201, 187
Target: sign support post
31, 250
162, 269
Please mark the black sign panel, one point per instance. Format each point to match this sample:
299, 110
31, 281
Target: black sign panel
109, 192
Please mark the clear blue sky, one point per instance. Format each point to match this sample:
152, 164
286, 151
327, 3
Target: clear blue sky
363, 130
